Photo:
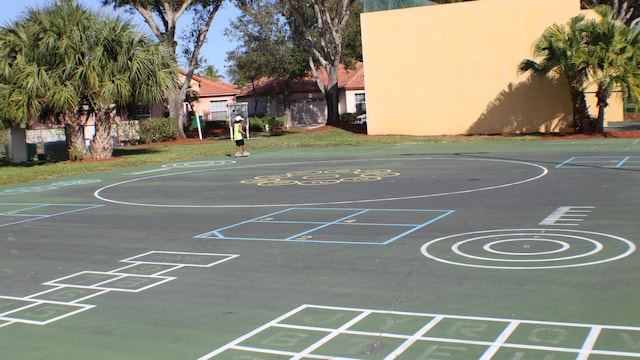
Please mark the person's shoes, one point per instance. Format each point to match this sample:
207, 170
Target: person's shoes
245, 154
238, 155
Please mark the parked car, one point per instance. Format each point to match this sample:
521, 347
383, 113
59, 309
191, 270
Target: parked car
361, 119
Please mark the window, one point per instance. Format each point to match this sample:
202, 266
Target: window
218, 109
361, 103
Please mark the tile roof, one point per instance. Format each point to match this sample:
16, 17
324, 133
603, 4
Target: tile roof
213, 88
348, 79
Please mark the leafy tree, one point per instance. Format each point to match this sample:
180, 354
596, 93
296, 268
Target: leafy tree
162, 18
126, 68
627, 11
558, 49
267, 50
613, 55
320, 26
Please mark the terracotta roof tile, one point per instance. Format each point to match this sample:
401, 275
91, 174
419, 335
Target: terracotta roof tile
214, 88
348, 79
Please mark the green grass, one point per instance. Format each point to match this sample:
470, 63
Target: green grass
130, 156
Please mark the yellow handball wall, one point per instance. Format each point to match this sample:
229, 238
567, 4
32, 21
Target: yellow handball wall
453, 69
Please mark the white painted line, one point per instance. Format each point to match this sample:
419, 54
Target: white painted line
491, 351
543, 171
567, 215
493, 342
544, 235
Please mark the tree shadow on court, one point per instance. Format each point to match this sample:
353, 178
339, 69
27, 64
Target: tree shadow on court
126, 151
532, 106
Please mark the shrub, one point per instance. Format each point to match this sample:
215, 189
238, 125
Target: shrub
158, 129
257, 124
348, 117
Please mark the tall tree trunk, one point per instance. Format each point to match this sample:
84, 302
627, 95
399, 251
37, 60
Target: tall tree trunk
602, 97
74, 133
176, 110
101, 146
580, 113
331, 97
286, 104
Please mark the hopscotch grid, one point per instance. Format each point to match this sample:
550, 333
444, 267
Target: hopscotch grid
37, 295
118, 277
33, 300
582, 351
6, 316
226, 257
123, 269
344, 220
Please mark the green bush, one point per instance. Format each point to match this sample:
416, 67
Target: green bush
348, 117
158, 129
257, 124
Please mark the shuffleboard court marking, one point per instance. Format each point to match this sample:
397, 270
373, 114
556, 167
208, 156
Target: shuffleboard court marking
528, 249
330, 225
567, 215
542, 172
321, 332
143, 272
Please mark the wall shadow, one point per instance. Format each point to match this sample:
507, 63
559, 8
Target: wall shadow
532, 106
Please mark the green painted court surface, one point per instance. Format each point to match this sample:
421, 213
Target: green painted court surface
518, 250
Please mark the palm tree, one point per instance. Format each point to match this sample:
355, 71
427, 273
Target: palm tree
211, 73
75, 63
125, 67
612, 51
558, 48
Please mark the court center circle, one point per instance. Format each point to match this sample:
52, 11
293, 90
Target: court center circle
133, 191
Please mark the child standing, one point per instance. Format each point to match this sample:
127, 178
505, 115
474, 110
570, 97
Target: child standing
238, 137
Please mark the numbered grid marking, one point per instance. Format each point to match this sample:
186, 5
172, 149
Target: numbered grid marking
331, 225
589, 162
320, 332
37, 312
15, 213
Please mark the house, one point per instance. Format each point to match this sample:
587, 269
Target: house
453, 69
209, 98
308, 106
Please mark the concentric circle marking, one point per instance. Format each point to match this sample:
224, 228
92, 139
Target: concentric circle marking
528, 249
490, 247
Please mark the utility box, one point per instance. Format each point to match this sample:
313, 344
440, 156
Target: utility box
17, 148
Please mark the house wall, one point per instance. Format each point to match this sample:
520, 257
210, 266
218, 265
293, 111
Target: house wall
453, 69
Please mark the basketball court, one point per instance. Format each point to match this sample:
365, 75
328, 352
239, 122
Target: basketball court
505, 250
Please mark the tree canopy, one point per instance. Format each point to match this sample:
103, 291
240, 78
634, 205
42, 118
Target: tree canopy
162, 18
64, 60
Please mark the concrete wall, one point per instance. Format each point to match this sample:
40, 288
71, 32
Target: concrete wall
453, 69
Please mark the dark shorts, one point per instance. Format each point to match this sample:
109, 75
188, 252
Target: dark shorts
240, 142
